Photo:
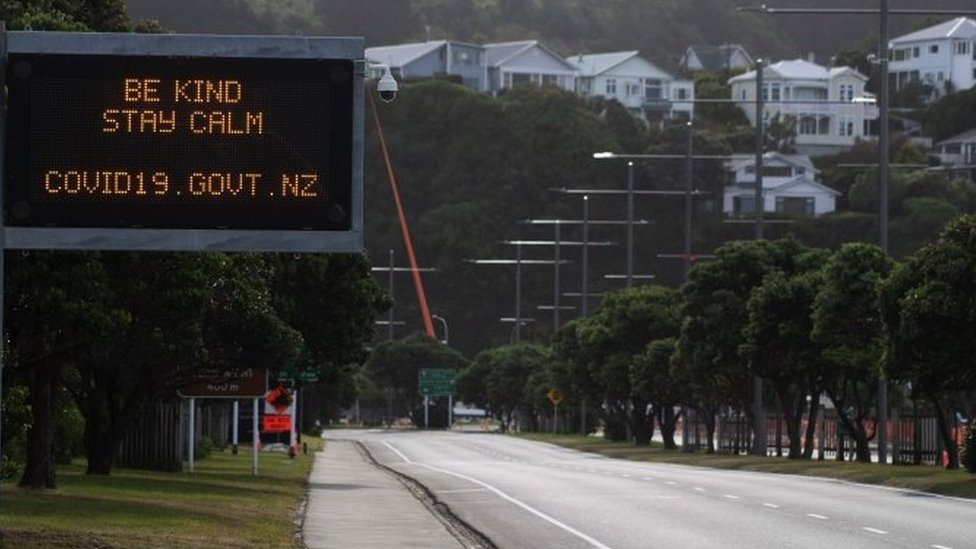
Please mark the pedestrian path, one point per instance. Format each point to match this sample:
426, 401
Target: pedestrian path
353, 504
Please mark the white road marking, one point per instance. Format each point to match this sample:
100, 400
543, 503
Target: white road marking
771, 505
670, 482
940, 547
463, 490
874, 530
699, 489
625, 475
646, 478
506, 497
816, 516
730, 496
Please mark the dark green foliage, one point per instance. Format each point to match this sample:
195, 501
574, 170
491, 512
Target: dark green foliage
951, 115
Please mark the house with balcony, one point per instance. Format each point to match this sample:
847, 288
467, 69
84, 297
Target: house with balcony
958, 154
942, 56
526, 63
828, 106
709, 58
437, 57
647, 91
789, 186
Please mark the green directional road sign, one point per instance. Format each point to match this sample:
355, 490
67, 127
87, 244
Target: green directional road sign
434, 382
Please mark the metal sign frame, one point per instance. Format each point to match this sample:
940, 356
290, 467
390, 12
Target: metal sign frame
198, 45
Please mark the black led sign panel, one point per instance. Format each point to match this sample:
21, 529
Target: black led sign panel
183, 142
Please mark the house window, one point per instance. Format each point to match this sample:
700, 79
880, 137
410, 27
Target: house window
915, 51
807, 125
845, 126
633, 89
774, 91
933, 48
795, 205
681, 93
550, 80
743, 204
652, 89
847, 92
962, 48
611, 86
518, 79
899, 55
742, 94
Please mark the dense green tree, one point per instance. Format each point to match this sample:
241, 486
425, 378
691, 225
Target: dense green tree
613, 338
714, 310
847, 323
650, 377
395, 367
498, 379
952, 114
778, 345
929, 310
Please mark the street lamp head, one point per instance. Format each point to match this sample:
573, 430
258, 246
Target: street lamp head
604, 154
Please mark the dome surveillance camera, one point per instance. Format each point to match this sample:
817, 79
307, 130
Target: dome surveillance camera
387, 86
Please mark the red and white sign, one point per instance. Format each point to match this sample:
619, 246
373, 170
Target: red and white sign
276, 423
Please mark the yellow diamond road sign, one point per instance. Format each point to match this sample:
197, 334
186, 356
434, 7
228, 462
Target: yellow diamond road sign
555, 397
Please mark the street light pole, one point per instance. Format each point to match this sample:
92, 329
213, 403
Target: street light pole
443, 321
630, 224
584, 288
392, 300
759, 412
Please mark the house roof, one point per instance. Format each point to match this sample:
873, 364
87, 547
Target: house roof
968, 136
714, 58
960, 27
797, 69
801, 180
499, 53
597, 63
738, 160
402, 54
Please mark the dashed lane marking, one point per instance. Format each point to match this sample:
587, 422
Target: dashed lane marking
771, 505
874, 530
730, 496
816, 516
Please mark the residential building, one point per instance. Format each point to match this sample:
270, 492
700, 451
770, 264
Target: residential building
715, 58
636, 83
828, 105
942, 56
789, 184
528, 62
958, 154
437, 57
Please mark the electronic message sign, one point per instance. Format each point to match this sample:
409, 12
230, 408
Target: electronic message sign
185, 142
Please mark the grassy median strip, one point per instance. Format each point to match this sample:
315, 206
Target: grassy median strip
219, 505
924, 478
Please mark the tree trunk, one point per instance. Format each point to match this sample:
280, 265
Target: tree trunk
642, 424
39, 471
951, 448
709, 420
668, 421
813, 414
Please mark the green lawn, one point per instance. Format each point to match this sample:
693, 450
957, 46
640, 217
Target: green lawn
219, 505
925, 478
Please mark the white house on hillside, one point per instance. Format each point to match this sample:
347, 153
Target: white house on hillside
428, 59
829, 106
513, 64
636, 83
789, 183
943, 56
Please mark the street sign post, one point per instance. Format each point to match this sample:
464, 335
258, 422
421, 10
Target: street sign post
555, 396
435, 382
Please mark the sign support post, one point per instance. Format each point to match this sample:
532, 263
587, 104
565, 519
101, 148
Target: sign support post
193, 435
236, 419
257, 439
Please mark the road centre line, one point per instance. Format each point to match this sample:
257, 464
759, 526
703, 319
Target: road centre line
874, 530
940, 547
771, 505
699, 489
816, 516
506, 497
730, 496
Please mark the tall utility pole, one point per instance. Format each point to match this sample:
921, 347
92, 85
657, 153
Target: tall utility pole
392, 269
759, 410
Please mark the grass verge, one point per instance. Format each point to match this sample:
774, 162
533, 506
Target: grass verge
924, 478
220, 504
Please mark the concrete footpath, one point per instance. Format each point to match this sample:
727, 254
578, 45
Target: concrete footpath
353, 504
